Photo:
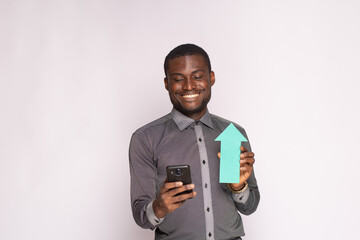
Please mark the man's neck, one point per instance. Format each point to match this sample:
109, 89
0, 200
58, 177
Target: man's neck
195, 116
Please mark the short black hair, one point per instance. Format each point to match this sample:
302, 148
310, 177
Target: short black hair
186, 50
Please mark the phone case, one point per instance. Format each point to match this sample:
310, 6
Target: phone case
179, 173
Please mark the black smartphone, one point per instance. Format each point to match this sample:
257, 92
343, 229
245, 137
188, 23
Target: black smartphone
180, 173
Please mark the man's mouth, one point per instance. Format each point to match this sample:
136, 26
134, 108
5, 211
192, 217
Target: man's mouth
190, 95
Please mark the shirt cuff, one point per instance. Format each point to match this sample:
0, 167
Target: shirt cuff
241, 197
154, 220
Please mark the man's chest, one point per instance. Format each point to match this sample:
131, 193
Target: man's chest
185, 148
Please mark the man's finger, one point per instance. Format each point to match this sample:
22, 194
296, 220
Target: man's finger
243, 149
219, 154
247, 155
177, 190
183, 197
169, 185
248, 161
245, 167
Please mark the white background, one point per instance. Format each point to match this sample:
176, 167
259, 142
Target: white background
78, 77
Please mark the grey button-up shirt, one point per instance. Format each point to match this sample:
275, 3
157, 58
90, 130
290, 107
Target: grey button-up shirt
176, 139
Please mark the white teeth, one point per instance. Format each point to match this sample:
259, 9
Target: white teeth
191, 96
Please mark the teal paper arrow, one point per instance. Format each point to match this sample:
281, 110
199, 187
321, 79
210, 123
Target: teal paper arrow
231, 139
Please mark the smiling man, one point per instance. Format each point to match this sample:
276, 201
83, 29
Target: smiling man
189, 82
186, 136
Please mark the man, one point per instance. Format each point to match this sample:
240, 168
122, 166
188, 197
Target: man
186, 136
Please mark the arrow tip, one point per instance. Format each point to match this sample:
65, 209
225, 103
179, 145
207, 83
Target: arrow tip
231, 133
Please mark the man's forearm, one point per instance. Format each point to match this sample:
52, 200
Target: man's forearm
140, 215
251, 203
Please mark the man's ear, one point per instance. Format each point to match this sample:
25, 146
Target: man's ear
166, 83
212, 78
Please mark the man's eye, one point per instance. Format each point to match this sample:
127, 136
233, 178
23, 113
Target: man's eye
198, 77
177, 79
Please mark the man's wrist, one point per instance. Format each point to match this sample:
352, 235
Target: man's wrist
157, 211
238, 189
150, 213
241, 196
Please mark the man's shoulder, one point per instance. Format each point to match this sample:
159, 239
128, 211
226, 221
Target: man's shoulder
224, 123
158, 123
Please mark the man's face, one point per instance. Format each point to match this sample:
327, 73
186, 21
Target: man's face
189, 82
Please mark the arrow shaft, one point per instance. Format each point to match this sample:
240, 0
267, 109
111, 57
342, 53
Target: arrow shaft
230, 163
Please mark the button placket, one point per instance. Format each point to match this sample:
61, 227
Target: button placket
205, 176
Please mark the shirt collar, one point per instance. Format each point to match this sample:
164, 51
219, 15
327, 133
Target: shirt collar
183, 121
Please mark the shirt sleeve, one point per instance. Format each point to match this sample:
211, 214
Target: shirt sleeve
248, 204
241, 197
151, 215
247, 201
143, 175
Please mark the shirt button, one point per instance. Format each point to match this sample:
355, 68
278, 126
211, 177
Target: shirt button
205, 185
208, 209
203, 161
200, 140
210, 234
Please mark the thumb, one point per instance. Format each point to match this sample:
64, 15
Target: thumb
218, 154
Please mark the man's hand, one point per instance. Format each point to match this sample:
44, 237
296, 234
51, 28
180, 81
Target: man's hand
247, 161
167, 202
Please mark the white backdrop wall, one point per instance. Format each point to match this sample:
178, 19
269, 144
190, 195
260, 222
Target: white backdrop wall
78, 77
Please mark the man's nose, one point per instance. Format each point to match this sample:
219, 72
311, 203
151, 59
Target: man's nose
189, 84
